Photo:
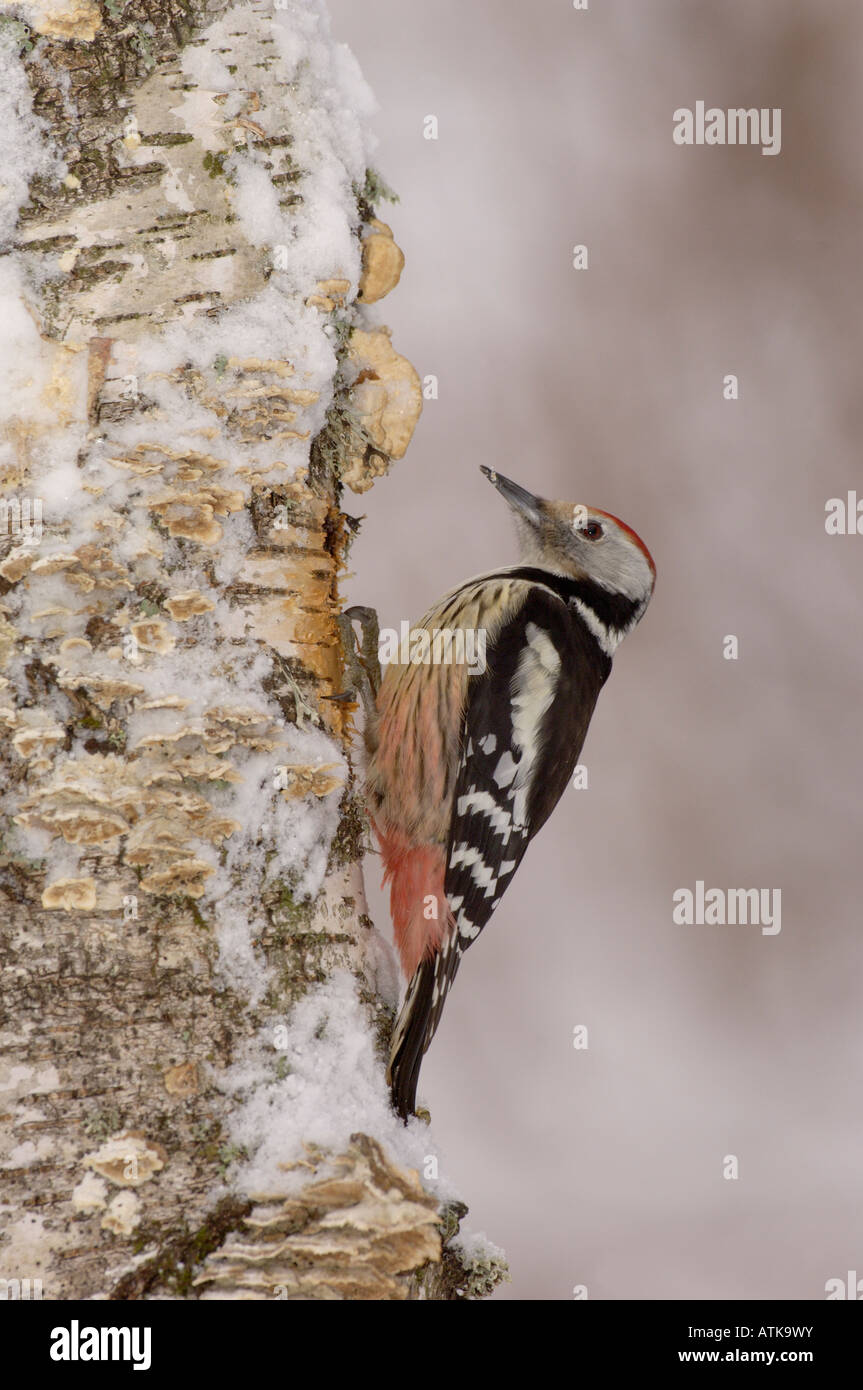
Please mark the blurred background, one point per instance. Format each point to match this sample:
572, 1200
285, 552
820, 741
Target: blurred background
604, 1167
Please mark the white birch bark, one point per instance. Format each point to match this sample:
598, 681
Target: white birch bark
194, 997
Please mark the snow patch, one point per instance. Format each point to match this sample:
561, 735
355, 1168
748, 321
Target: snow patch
324, 1082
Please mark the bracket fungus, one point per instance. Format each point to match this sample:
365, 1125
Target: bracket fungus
70, 895
128, 1159
354, 1232
383, 263
188, 604
387, 399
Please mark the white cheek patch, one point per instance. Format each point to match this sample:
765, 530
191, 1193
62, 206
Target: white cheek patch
620, 567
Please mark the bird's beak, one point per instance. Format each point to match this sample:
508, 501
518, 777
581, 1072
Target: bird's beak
523, 503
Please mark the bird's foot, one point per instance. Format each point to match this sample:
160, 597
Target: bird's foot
361, 660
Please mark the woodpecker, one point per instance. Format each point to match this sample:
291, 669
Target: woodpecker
466, 764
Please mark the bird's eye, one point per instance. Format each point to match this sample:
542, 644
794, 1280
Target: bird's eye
592, 530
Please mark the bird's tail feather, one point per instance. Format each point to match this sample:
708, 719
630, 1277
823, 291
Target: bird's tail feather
418, 1020
409, 1039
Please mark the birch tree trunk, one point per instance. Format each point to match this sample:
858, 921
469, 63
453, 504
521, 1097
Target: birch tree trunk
195, 1002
